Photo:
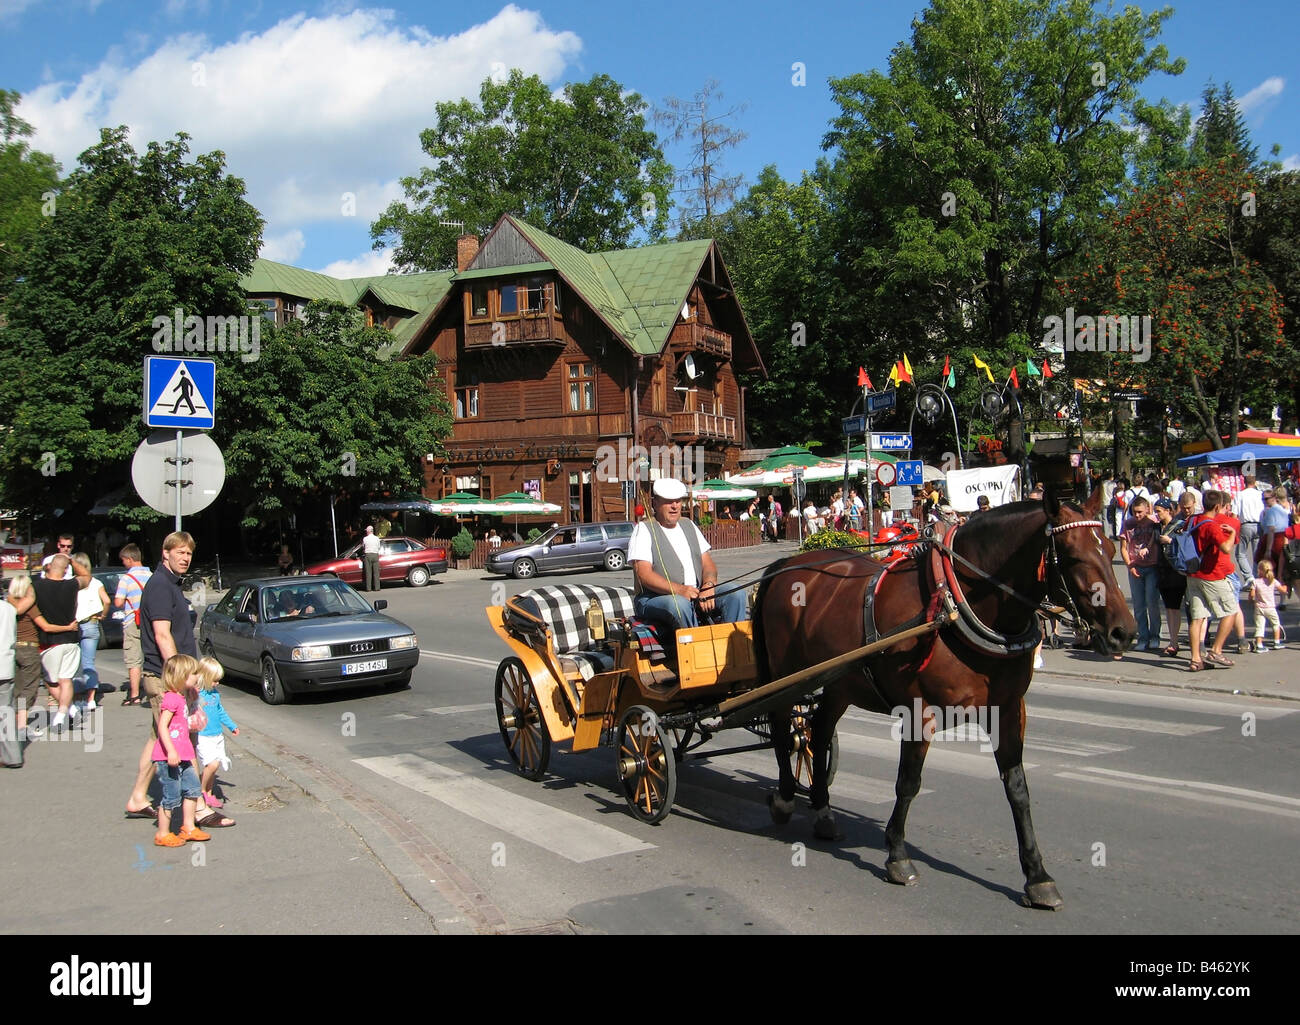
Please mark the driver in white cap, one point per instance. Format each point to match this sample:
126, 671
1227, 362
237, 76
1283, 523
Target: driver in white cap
672, 565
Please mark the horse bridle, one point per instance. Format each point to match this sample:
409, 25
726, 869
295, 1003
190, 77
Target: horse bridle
1055, 564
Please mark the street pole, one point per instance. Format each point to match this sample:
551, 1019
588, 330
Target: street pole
179, 470
871, 523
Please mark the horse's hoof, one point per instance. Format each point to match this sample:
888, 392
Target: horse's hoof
1043, 895
902, 872
779, 814
824, 828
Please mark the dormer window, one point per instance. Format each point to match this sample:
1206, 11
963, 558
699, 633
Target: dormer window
509, 300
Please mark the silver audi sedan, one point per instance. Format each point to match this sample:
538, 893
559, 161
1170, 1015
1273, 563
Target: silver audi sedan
298, 634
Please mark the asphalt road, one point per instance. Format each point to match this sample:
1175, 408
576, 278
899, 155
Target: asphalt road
1158, 811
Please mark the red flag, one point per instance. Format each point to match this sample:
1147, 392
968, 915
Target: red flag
903, 375
1047, 371
863, 380
944, 375
1015, 381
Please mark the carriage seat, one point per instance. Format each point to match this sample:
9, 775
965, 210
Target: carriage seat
564, 608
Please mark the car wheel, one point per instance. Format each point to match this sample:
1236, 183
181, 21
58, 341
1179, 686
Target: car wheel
418, 576
524, 568
615, 559
273, 692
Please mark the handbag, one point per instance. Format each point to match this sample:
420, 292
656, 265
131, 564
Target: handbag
198, 718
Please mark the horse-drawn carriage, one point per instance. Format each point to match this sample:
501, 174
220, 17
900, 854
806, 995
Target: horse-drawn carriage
829, 629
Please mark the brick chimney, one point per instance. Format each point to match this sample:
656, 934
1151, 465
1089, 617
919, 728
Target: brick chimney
466, 250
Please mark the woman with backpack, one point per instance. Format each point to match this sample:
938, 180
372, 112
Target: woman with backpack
1171, 583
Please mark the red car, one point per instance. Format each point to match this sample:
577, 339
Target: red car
400, 558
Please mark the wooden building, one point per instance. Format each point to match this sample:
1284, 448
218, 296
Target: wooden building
567, 372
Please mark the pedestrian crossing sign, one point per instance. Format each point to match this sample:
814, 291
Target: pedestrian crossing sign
180, 392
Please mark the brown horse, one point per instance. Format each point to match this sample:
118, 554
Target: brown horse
998, 569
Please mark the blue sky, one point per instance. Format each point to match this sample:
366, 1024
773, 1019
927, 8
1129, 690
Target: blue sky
312, 101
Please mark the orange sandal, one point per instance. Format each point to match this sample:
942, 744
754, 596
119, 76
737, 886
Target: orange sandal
192, 833
168, 840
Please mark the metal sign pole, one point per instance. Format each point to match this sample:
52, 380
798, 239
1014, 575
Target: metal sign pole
179, 469
870, 523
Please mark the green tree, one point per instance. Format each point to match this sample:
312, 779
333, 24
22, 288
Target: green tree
319, 412
1178, 252
1000, 132
1221, 130
28, 180
705, 189
132, 237
582, 167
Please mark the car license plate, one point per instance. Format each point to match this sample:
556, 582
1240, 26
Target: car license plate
355, 668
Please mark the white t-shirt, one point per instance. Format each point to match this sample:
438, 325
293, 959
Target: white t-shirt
810, 514
371, 544
1248, 506
641, 547
89, 603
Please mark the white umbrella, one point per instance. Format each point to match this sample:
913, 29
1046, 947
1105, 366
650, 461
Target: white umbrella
720, 491
516, 503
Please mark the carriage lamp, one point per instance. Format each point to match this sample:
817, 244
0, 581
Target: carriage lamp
596, 621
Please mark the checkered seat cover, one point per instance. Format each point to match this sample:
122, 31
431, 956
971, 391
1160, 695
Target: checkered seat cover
564, 608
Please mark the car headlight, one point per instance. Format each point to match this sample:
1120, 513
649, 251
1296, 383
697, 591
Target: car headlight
310, 652
407, 641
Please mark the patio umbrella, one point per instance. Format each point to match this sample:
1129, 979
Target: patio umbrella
403, 503
778, 468
516, 503
459, 503
1241, 454
718, 490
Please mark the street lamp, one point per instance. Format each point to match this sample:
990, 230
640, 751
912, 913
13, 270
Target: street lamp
930, 403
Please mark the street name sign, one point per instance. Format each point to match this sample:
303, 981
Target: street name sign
878, 402
891, 442
180, 393
854, 424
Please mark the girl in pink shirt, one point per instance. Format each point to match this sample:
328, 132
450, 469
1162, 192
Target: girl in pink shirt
173, 755
1264, 590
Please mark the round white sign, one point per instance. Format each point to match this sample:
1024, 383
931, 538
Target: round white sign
886, 474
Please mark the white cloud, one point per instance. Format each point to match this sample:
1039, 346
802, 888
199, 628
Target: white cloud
1261, 94
1291, 163
309, 109
364, 266
11, 7
283, 248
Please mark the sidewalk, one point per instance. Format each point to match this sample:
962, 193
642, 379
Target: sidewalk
289, 865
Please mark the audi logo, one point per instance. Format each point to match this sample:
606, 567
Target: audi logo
361, 646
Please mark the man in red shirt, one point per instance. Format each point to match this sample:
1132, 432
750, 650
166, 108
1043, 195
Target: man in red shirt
1208, 590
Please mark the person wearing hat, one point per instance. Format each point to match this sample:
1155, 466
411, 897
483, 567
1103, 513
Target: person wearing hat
370, 546
672, 567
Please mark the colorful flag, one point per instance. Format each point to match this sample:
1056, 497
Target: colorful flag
946, 367
1047, 371
904, 372
907, 365
893, 375
864, 381
1030, 369
981, 365
952, 378
1015, 381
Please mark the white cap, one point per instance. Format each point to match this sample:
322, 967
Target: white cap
669, 488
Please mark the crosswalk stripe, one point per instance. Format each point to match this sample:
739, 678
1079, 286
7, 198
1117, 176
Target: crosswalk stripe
1121, 722
449, 656
1179, 702
1076, 748
560, 832
980, 765
846, 785
1218, 788
1180, 792
458, 709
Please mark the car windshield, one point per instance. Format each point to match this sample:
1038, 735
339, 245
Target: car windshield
309, 601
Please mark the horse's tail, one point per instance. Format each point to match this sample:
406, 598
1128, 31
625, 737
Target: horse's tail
756, 616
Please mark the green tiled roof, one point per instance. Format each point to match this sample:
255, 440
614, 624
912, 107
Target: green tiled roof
495, 272
639, 292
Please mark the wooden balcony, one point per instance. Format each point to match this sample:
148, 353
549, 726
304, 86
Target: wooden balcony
693, 426
693, 336
530, 329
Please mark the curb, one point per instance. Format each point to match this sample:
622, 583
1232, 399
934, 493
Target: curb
1253, 692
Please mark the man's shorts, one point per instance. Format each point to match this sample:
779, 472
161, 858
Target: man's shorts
61, 662
132, 653
153, 686
1206, 598
27, 679
213, 749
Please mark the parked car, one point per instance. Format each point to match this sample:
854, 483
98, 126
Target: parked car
575, 546
400, 558
294, 634
110, 627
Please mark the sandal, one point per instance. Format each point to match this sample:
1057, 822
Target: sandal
1215, 659
128, 700
1172, 650
214, 820
213, 802
194, 833
168, 840
1195, 667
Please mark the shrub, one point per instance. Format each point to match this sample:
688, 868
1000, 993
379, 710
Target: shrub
825, 539
462, 545
535, 533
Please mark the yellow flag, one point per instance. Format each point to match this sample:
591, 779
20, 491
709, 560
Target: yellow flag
907, 365
981, 365
893, 375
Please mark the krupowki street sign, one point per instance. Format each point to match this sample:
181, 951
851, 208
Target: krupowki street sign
891, 442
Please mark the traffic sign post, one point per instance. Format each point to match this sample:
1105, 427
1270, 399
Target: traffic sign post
911, 472
170, 384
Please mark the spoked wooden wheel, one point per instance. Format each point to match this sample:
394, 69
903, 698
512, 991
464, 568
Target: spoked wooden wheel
647, 768
801, 751
520, 715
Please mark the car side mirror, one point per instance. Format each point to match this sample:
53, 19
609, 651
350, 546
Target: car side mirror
245, 617
380, 604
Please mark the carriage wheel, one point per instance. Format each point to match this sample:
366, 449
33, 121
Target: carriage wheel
801, 751
519, 714
647, 768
